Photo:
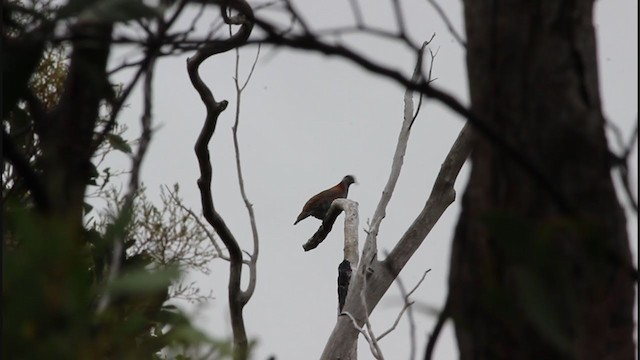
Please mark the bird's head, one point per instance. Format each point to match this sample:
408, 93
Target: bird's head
349, 179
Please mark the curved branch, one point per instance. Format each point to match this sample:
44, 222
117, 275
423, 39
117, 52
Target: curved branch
237, 300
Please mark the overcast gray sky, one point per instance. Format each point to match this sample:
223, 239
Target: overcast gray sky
308, 120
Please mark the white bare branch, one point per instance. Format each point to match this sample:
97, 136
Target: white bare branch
408, 308
351, 221
253, 257
364, 333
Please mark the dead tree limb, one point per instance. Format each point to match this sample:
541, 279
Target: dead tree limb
325, 228
384, 272
237, 297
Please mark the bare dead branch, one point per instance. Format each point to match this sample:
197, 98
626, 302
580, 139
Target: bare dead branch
296, 17
253, 257
325, 227
370, 248
617, 132
632, 141
253, 67
624, 175
125, 65
337, 207
429, 79
398, 158
357, 13
397, 9
351, 221
176, 13
408, 308
237, 298
134, 180
372, 339
621, 162
364, 333
360, 30
117, 104
265, 5
350, 252
442, 195
145, 137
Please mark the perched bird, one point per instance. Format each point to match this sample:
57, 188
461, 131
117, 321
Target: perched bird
318, 205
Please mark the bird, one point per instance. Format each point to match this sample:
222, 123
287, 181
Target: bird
319, 204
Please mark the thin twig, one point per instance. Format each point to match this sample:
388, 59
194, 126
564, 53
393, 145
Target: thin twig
134, 180
362, 331
359, 30
372, 338
621, 162
397, 9
118, 103
617, 132
429, 74
448, 23
632, 141
253, 67
409, 309
623, 171
296, 16
253, 257
202, 226
357, 13
124, 65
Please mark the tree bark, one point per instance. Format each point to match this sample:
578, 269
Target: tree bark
67, 133
531, 278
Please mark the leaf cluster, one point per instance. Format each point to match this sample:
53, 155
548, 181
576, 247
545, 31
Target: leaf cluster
55, 267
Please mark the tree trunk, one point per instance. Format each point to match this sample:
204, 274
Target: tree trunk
534, 276
67, 133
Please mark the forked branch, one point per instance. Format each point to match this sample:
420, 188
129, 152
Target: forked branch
381, 274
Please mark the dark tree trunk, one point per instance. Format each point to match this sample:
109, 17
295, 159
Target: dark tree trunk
67, 133
532, 278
